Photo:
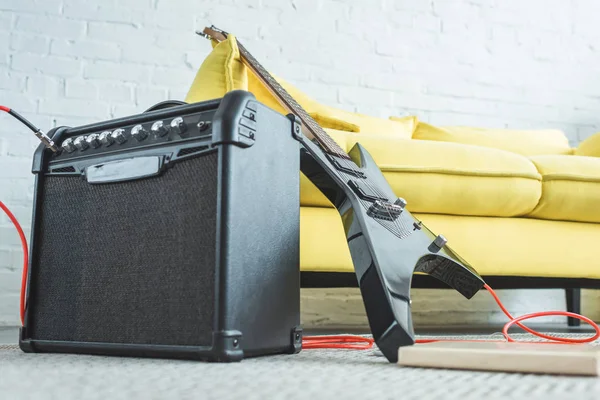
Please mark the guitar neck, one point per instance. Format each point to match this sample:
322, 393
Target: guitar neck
312, 129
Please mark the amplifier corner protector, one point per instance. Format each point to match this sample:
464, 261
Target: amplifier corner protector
296, 126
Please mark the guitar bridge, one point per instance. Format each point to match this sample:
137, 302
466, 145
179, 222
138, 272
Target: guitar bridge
384, 210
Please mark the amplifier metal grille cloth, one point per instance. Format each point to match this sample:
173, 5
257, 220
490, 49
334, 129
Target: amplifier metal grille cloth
130, 262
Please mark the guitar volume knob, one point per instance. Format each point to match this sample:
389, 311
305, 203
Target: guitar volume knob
400, 202
440, 241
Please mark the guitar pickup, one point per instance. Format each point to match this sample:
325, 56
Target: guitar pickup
349, 168
365, 192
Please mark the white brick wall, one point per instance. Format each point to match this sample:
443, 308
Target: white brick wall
489, 62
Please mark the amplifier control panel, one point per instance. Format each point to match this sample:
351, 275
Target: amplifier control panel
136, 135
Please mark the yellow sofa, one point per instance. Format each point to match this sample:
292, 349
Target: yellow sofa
513, 203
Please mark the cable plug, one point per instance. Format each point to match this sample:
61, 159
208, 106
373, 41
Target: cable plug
45, 139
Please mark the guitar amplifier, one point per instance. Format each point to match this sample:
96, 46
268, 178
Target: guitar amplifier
173, 233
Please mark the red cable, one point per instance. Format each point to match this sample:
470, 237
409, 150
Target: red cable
4, 108
320, 342
25, 255
517, 320
349, 341
337, 342
513, 321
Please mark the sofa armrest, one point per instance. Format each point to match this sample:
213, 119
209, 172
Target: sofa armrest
589, 147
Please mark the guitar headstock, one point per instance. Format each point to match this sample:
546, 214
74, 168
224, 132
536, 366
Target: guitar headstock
213, 33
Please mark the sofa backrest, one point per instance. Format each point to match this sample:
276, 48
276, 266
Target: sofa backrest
527, 142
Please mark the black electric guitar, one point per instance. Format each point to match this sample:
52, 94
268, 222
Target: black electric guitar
387, 244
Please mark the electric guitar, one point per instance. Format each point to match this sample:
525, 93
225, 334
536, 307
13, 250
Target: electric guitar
387, 244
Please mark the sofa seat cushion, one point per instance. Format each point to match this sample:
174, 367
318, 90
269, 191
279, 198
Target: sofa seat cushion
451, 178
527, 142
570, 188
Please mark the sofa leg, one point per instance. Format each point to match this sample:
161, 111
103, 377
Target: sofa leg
573, 305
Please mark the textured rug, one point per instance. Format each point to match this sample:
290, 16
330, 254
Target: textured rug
321, 374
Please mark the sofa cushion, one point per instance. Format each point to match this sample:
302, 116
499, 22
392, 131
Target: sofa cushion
570, 188
451, 178
590, 147
222, 71
521, 141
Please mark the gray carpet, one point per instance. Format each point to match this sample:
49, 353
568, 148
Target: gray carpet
322, 374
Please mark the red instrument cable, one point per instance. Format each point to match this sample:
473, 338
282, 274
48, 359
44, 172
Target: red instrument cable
338, 341
25, 256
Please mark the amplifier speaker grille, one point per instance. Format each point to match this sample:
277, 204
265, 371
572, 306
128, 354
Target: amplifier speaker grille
144, 266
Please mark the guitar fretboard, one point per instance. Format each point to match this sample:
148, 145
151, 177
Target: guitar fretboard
292, 105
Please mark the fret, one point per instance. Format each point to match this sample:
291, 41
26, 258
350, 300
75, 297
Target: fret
322, 137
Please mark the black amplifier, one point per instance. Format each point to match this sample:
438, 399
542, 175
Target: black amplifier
172, 233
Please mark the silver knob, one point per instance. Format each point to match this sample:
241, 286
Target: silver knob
159, 129
68, 145
80, 143
119, 136
178, 126
93, 140
106, 138
440, 241
400, 202
139, 132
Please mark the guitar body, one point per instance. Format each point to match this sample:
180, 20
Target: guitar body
386, 248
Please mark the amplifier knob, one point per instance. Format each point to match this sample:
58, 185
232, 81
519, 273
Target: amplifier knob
178, 126
68, 145
93, 140
139, 132
80, 143
159, 129
106, 138
119, 136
